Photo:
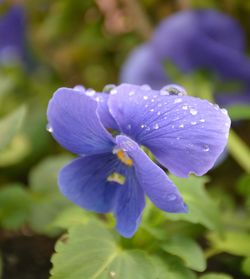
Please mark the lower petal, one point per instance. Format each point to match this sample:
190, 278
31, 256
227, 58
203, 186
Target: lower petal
129, 206
84, 182
152, 179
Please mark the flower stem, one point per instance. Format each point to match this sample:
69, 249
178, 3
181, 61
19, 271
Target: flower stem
239, 150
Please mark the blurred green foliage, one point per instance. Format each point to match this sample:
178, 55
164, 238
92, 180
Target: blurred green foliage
80, 42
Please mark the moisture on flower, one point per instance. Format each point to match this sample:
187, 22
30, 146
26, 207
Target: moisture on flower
113, 173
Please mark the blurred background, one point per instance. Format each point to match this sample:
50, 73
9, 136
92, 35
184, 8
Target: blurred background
203, 45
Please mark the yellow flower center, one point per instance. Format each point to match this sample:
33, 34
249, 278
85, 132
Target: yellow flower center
116, 177
123, 157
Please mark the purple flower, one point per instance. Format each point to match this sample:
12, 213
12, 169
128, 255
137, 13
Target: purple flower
12, 35
192, 40
113, 173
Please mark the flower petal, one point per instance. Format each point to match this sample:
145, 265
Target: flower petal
75, 125
129, 206
84, 182
152, 179
143, 67
186, 134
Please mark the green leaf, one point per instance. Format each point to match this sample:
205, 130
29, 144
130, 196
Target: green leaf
48, 202
170, 268
202, 209
216, 276
9, 126
183, 247
239, 112
14, 206
90, 252
232, 242
246, 266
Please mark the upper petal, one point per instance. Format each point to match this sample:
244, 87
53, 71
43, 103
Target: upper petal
84, 182
186, 134
152, 179
75, 124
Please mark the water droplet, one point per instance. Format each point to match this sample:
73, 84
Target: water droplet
202, 120
152, 100
173, 89
181, 126
193, 111
98, 99
108, 88
131, 93
152, 110
145, 87
145, 97
113, 92
171, 197
185, 107
79, 88
156, 126
49, 128
143, 126
224, 111
193, 123
90, 92
178, 100
112, 274
158, 113
178, 138
206, 148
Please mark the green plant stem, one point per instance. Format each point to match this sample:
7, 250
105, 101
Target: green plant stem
239, 150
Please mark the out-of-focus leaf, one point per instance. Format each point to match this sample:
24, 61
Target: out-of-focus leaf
9, 126
170, 268
216, 276
188, 250
15, 206
91, 252
15, 151
48, 202
239, 112
71, 216
233, 242
246, 266
202, 209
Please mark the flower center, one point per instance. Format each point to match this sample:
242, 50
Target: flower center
116, 177
124, 158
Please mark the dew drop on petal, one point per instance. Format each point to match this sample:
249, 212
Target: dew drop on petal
108, 88
202, 120
145, 87
90, 92
173, 89
224, 111
143, 126
113, 92
185, 107
152, 110
156, 126
178, 100
158, 113
193, 123
145, 97
181, 126
206, 148
171, 197
49, 128
193, 111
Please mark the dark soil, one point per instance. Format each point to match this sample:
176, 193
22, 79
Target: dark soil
26, 257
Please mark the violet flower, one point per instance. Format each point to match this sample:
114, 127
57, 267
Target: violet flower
12, 35
193, 40
113, 173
